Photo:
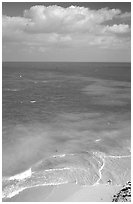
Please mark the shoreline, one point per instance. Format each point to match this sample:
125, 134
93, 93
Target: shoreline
67, 193
110, 172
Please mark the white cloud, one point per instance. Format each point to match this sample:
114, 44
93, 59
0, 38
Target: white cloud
125, 15
14, 22
61, 20
46, 26
41, 19
121, 28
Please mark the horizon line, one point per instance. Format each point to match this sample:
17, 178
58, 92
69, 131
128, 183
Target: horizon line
75, 61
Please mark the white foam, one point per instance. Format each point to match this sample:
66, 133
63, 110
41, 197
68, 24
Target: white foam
97, 140
11, 89
21, 176
103, 156
16, 192
102, 166
12, 194
32, 101
59, 169
16, 189
118, 156
61, 155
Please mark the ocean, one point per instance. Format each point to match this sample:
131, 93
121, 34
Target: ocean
65, 122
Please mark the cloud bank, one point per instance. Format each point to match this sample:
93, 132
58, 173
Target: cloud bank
44, 27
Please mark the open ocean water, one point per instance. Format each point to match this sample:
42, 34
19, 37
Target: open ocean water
65, 122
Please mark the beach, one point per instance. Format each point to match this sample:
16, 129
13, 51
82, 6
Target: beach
68, 193
96, 184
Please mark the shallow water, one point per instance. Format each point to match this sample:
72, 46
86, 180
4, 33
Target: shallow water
58, 116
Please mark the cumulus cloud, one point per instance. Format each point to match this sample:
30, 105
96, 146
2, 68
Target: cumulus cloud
71, 19
41, 19
121, 28
46, 26
126, 15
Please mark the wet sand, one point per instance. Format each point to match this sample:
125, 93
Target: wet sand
98, 193
68, 193
36, 194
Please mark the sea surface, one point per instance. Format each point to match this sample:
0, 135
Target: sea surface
65, 123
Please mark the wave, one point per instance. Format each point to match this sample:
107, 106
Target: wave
37, 82
21, 176
11, 89
83, 169
32, 101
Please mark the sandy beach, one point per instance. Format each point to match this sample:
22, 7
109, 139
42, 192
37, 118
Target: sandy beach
68, 193
74, 193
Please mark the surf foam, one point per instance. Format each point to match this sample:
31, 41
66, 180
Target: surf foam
81, 169
21, 176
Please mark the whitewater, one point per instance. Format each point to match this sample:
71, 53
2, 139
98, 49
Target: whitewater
39, 175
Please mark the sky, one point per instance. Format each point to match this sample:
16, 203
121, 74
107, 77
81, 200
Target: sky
66, 31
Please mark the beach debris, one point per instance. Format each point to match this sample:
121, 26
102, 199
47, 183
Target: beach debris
124, 195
